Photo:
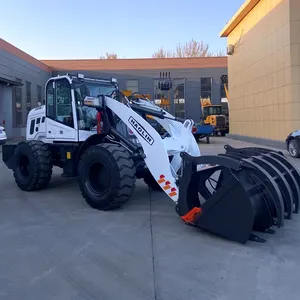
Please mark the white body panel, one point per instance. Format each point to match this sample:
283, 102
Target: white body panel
3, 136
181, 138
35, 129
60, 132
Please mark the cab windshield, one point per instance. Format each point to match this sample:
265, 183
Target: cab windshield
86, 116
212, 110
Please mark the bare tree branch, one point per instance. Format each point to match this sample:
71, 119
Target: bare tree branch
217, 54
161, 53
192, 48
109, 56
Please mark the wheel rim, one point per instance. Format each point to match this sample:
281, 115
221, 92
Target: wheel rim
99, 179
24, 166
292, 148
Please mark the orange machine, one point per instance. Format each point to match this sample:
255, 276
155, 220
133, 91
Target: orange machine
212, 115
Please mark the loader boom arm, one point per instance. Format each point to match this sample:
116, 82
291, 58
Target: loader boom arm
155, 148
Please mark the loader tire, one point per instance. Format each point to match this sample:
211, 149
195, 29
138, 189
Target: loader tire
33, 165
151, 182
107, 176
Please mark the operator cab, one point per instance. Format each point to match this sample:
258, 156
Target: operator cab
66, 116
212, 110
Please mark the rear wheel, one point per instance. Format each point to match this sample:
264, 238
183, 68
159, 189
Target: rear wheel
33, 165
106, 176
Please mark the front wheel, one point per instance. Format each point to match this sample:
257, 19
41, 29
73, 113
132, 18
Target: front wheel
107, 176
151, 182
293, 148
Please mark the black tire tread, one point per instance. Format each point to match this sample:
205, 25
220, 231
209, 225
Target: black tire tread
42, 166
127, 172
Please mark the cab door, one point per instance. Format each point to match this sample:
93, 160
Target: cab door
61, 122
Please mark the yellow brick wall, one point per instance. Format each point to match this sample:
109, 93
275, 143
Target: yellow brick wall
260, 73
295, 63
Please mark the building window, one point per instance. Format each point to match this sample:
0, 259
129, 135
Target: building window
63, 102
132, 85
206, 88
179, 98
17, 105
28, 96
39, 94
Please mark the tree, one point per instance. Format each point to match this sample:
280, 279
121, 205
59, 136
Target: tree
161, 53
192, 48
108, 55
218, 53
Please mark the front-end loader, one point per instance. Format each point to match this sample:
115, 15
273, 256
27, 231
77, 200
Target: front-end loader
213, 115
234, 195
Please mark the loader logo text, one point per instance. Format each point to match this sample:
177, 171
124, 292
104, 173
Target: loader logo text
141, 130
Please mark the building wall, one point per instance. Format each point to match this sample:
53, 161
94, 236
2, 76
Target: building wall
146, 83
295, 63
6, 108
18, 66
261, 75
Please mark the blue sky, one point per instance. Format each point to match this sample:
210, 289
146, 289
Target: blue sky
61, 29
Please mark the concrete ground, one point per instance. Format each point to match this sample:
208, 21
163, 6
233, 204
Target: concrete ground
54, 246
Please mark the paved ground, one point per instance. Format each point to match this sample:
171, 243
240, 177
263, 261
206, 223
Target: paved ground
53, 246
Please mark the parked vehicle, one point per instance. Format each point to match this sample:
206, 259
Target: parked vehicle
293, 143
3, 137
201, 131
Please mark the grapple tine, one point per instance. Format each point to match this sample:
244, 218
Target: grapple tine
228, 211
274, 196
276, 174
278, 160
255, 189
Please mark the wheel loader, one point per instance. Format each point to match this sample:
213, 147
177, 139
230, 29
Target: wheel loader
213, 115
239, 195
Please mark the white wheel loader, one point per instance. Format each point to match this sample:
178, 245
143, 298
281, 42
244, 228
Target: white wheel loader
108, 142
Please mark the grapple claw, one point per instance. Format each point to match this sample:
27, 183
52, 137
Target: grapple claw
255, 188
191, 216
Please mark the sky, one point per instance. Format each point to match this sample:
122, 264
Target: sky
74, 29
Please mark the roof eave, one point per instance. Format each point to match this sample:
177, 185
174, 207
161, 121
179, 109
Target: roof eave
238, 17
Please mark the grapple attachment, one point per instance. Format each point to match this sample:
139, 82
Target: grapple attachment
239, 192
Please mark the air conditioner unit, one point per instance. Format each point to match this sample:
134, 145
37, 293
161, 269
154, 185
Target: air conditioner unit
230, 49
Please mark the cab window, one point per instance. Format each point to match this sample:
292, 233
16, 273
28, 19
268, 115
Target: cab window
50, 100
